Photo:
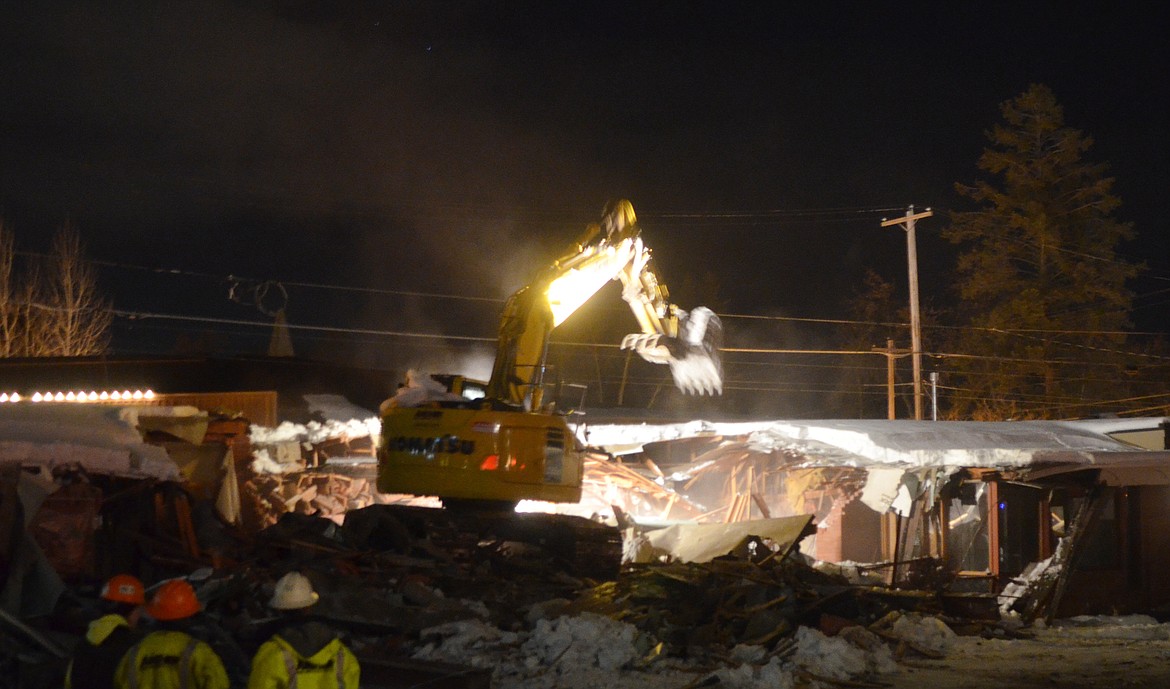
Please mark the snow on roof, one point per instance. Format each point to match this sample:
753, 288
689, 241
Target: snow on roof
1110, 426
336, 408
101, 438
871, 442
314, 431
843, 442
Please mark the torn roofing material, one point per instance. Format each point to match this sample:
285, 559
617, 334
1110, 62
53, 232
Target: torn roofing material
101, 438
868, 443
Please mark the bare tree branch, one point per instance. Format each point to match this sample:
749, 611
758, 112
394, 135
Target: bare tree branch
56, 309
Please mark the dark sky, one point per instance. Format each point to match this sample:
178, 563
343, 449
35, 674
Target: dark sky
453, 147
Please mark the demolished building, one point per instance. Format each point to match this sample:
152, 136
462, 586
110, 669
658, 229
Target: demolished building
1061, 517
1035, 519
1040, 517
86, 488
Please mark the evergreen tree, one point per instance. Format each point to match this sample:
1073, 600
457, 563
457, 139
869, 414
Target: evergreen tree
1043, 293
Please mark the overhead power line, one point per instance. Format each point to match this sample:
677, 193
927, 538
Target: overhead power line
139, 315
782, 212
229, 278
142, 315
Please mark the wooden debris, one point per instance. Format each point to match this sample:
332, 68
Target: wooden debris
842, 682
403, 673
316, 492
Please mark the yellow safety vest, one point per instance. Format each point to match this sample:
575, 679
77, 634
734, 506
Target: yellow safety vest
171, 660
277, 665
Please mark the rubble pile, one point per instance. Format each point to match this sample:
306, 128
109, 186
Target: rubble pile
324, 469
704, 611
464, 599
524, 622
730, 623
505, 614
326, 494
608, 484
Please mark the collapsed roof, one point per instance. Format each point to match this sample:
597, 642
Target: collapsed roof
907, 444
100, 438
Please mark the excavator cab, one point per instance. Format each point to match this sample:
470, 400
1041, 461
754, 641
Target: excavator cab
463, 386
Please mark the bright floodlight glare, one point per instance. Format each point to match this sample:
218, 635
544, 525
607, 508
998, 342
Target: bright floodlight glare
568, 292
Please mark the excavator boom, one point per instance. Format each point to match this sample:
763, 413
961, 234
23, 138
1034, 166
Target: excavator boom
688, 342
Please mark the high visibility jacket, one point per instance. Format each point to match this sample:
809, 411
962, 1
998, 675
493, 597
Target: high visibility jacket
277, 665
169, 659
97, 657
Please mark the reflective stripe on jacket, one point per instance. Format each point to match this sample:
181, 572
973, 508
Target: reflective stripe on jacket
171, 660
277, 665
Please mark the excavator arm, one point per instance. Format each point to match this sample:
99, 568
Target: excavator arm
688, 342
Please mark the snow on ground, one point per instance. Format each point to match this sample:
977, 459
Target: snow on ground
1125, 627
589, 651
925, 632
1131, 652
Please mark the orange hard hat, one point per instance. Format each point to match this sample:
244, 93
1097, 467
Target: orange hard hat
174, 600
124, 588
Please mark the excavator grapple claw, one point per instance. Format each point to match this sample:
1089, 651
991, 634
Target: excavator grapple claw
693, 356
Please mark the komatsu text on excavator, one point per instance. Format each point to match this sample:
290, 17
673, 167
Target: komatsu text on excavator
508, 445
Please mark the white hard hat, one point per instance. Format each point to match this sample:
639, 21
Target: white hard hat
293, 592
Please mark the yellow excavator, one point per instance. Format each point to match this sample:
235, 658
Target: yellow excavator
486, 454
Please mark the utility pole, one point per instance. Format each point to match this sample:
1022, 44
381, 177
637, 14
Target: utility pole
907, 223
891, 412
891, 354
934, 395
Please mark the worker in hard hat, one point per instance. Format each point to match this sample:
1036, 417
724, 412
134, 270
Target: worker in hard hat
169, 657
305, 653
109, 637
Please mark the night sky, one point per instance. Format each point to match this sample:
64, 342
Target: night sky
454, 148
